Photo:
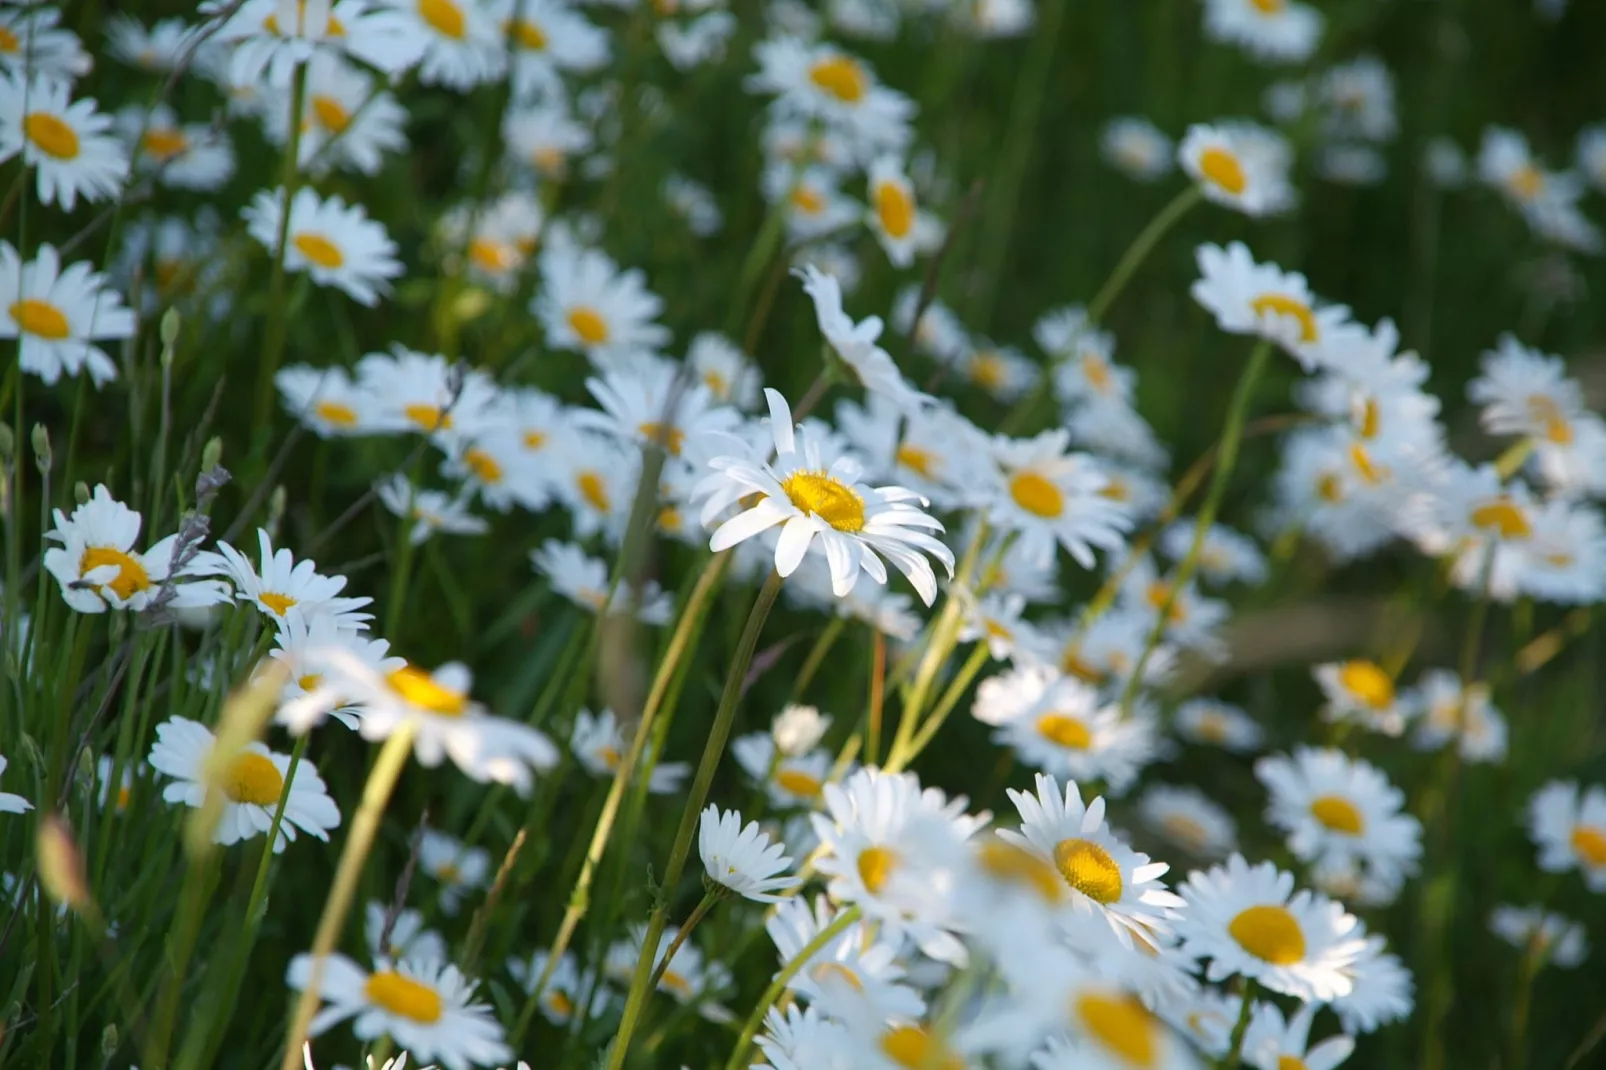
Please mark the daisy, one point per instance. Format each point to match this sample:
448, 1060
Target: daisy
346, 122
654, 405
730, 376
588, 305
463, 45
1275, 1043
495, 465
1335, 807
1137, 148
996, 618
427, 394
1214, 723
455, 866
1263, 300
56, 314
1444, 711
98, 567
939, 334
69, 145
1108, 878
12, 804
1115, 429
934, 452
1190, 819
1230, 174
337, 245
694, 203
188, 156
156, 50
1525, 392
855, 342
690, 979
1226, 556
1250, 921
252, 783
324, 400
277, 36
894, 217
283, 587
1359, 691
1557, 940
544, 136
600, 744
1484, 524
567, 985
423, 1005
741, 858
1381, 989
596, 480
407, 938
797, 730
1093, 1024
1050, 495
788, 779
1003, 371
300, 644
431, 511
1277, 31
497, 240
31, 42
852, 968
856, 525
1568, 825
825, 83
105, 776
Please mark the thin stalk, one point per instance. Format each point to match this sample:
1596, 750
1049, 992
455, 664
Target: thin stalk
1527, 970
816, 656
878, 693
1235, 1046
699, 912
782, 979
950, 698
704, 778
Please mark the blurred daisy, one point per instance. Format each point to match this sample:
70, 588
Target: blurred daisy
55, 314
31, 42
825, 83
797, 730
408, 936
323, 400
1263, 300
1275, 1043
584, 581
346, 122
431, 511
894, 217
1592, 155
1214, 723
300, 645
855, 525
455, 866
1051, 496
423, 1005
1231, 173
272, 37
1279, 31
544, 136
338, 245
549, 39
284, 587
852, 970
855, 343
12, 804
691, 979
106, 795
1137, 148
741, 858
498, 239
425, 393
252, 785
68, 144
189, 156
694, 203
1568, 825
588, 304
1358, 691
1553, 938
697, 41
654, 404
1381, 992
788, 779
567, 985
1250, 921
1444, 711
600, 744
730, 376
1335, 807
1002, 371
463, 46
1526, 392
1226, 556
1190, 819
597, 479
157, 50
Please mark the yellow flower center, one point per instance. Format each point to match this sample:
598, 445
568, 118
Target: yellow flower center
534, 440
1526, 182
1290, 1062
1287, 307
1338, 814
124, 793
330, 113
1212, 727
1329, 489
987, 371
9, 42
279, 603
1089, 869
875, 866
1073, 664
1184, 829
1503, 517
1036, 495
548, 159
131, 575
594, 490
1270, 933
428, 417
1589, 844
404, 997
588, 323
422, 690
1269, 7
717, 384
1223, 169
1368, 683
449, 874
817, 494
1009, 864
826, 973
309, 681
841, 77
271, 23
483, 465
1067, 732
527, 34
1544, 411
253, 778
444, 17
797, 782
912, 1047
894, 208
332, 412
51, 135
319, 250
164, 144
677, 983
670, 437
1096, 370
808, 200
610, 756
1121, 1025
922, 462
560, 1004
33, 316
670, 520
491, 256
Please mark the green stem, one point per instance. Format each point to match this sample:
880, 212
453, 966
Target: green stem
939, 713
1235, 1046
1527, 970
278, 325
816, 656
782, 979
712, 753
704, 905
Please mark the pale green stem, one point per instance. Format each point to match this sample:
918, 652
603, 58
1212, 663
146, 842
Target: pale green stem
1235, 1046
704, 905
790, 970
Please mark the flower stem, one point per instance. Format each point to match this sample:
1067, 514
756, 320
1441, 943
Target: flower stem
706, 904
364, 826
1235, 1046
1527, 970
712, 753
782, 979
273, 336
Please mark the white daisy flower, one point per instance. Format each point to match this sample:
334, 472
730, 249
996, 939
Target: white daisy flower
346, 121
408, 937
1004, 372
299, 644
498, 239
68, 144
336, 244
1190, 819
1444, 711
431, 511
788, 779
1051, 495
12, 804
422, 1004
996, 619
189, 156
1277, 31
458, 868
1568, 825
276, 36
855, 525
596, 480
600, 744
543, 136
1250, 921
1137, 148
1263, 300
825, 83
694, 203
728, 373
1381, 989
1227, 556
1555, 939
565, 988
855, 342
56, 314
495, 465
587, 304
1335, 807
427, 394
797, 730
549, 39
1274, 1043
1109, 878
98, 567
741, 858
324, 400
854, 969
690, 979
1526, 392
1359, 691
939, 335
894, 216
157, 49
31, 42
1231, 173
698, 41
463, 44
934, 452
252, 785
1092, 1023
283, 587
105, 777
1214, 723
657, 405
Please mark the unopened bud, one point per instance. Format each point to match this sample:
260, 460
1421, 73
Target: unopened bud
170, 326
797, 729
80, 492
41, 448
211, 453
61, 867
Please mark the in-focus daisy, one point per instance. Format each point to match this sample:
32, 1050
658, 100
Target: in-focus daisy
854, 525
455, 866
1335, 807
1250, 921
1137, 148
741, 858
567, 985
1218, 724
284, 587
1273, 1042
587, 304
1190, 819
252, 784
1553, 938
1262, 299
12, 804
422, 1004
1107, 876
431, 511
852, 970
1568, 825
1231, 173
600, 743
55, 314
1362, 692
68, 144
1051, 495
855, 343
338, 245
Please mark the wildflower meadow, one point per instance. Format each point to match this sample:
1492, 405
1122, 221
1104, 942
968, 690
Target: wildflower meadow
840, 535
